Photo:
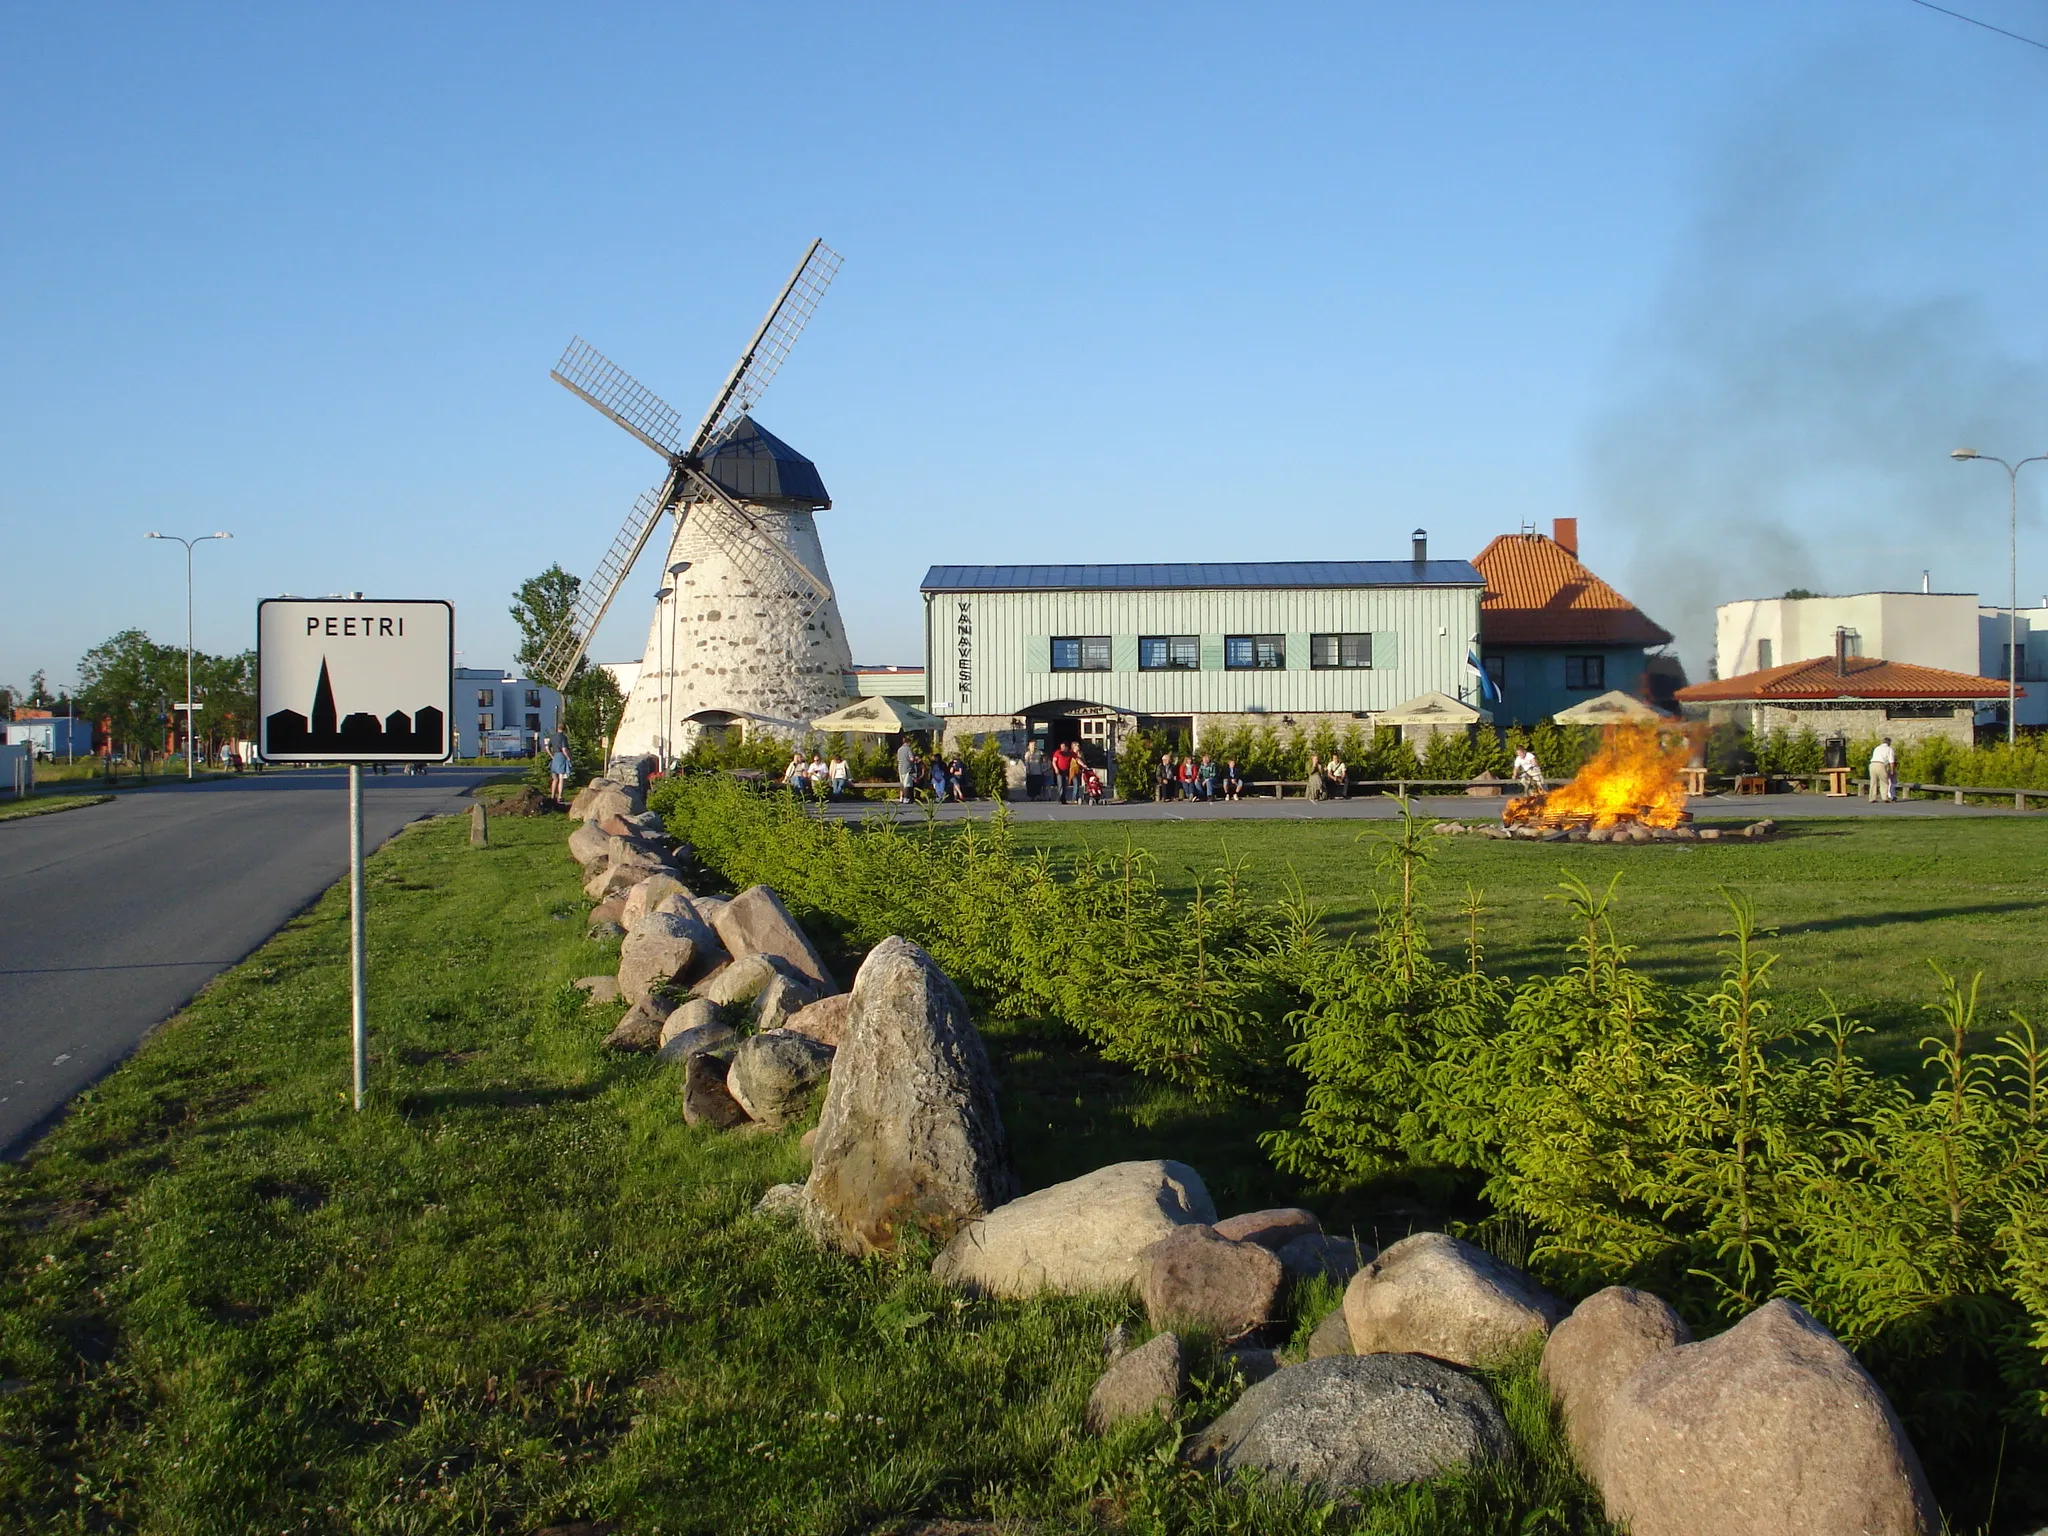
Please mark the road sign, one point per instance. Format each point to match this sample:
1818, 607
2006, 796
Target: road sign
348, 680
354, 680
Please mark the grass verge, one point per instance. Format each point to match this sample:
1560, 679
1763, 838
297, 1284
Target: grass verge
518, 1291
45, 805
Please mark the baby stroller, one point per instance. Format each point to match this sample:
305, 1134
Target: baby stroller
1091, 786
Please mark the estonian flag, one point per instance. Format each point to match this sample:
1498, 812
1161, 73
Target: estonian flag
1489, 692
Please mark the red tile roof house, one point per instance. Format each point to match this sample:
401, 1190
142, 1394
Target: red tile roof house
1552, 634
1860, 696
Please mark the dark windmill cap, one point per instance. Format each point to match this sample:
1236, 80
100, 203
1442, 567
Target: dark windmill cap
752, 464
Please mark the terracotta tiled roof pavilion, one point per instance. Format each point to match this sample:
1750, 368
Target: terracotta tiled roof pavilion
1537, 593
1853, 677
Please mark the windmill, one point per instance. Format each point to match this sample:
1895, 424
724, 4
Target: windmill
757, 613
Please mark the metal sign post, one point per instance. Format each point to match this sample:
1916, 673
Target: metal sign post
355, 681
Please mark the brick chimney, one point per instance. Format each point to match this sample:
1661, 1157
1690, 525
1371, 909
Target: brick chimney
1564, 531
1841, 653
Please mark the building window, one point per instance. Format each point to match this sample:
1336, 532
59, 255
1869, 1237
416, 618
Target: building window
1255, 653
533, 698
1763, 655
533, 722
2005, 655
1169, 653
1328, 652
484, 722
1080, 653
486, 698
1585, 672
1497, 671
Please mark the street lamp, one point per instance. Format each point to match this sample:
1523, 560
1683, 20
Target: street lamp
668, 699
2012, 612
188, 543
661, 640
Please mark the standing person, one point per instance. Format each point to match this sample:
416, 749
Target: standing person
956, 775
1338, 772
1205, 777
1884, 772
558, 773
1233, 779
1062, 762
1034, 772
837, 775
1076, 766
938, 778
906, 771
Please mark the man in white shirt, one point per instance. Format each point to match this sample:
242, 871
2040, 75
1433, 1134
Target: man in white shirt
1884, 772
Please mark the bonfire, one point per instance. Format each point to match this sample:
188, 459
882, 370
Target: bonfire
1636, 778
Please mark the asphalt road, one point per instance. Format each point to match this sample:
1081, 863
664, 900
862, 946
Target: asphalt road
113, 916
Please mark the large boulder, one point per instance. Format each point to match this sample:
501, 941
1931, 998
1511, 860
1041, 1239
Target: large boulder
639, 1030
706, 1099
1771, 1427
649, 894
659, 955
910, 1135
1083, 1235
618, 875
698, 1040
773, 1074
611, 800
1347, 1422
755, 922
1198, 1278
1146, 1381
1273, 1229
599, 989
1433, 1294
587, 845
693, 1013
778, 1003
1332, 1336
736, 985
1319, 1255
1591, 1353
827, 1019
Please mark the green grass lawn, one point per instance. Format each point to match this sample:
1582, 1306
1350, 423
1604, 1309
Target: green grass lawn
43, 805
519, 1291
1860, 908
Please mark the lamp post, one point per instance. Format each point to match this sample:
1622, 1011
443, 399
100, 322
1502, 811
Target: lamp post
662, 645
188, 543
2012, 612
668, 699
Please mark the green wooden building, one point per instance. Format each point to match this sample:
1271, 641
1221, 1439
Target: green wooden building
1086, 652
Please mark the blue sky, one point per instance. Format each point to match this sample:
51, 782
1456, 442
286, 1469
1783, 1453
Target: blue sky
1122, 282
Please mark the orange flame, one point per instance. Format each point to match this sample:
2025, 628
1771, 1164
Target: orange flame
1634, 777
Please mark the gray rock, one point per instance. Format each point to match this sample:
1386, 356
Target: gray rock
646, 896
1433, 1294
827, 1019
755, 922
1771, 1427
1591, 1353
736, 985
693, 1013
1146, 1381
1253, 1362
1196, 1278
1337, 1258
587, 845
1116, 1343
606, 913
781, 1200
708, 907
910, 1135
706, 1100
1332, 1336
1353, 1422
603, 929
600, 989
579, 803
774, 1075
653, 962
639, 1030
1273, 1229
781, 1000
712, 1039
618, 876
1083, 1235
596, 803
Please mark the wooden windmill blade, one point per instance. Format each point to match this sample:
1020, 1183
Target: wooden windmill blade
744, 540
564, 649
764, 355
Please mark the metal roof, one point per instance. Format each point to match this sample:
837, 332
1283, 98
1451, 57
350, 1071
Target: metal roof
1205, 577
753, 464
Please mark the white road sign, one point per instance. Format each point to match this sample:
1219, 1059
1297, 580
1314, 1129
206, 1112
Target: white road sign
354, 680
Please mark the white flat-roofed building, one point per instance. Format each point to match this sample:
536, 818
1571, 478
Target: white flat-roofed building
490, 703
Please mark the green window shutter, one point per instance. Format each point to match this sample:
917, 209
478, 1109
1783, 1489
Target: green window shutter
1038, 653
1123, 653
1386, 650
1212, 653
1297, 653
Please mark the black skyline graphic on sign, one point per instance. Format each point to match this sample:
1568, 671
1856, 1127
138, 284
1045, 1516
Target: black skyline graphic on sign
287, 732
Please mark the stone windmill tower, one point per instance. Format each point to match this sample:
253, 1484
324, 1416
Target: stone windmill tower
746, 633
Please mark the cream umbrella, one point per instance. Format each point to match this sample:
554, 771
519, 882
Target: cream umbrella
879, 717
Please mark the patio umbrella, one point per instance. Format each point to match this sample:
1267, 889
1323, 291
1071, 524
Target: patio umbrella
879, 717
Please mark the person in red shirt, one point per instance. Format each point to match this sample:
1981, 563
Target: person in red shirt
1062, 766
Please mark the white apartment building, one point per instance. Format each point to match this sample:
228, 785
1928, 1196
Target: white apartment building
497, 713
